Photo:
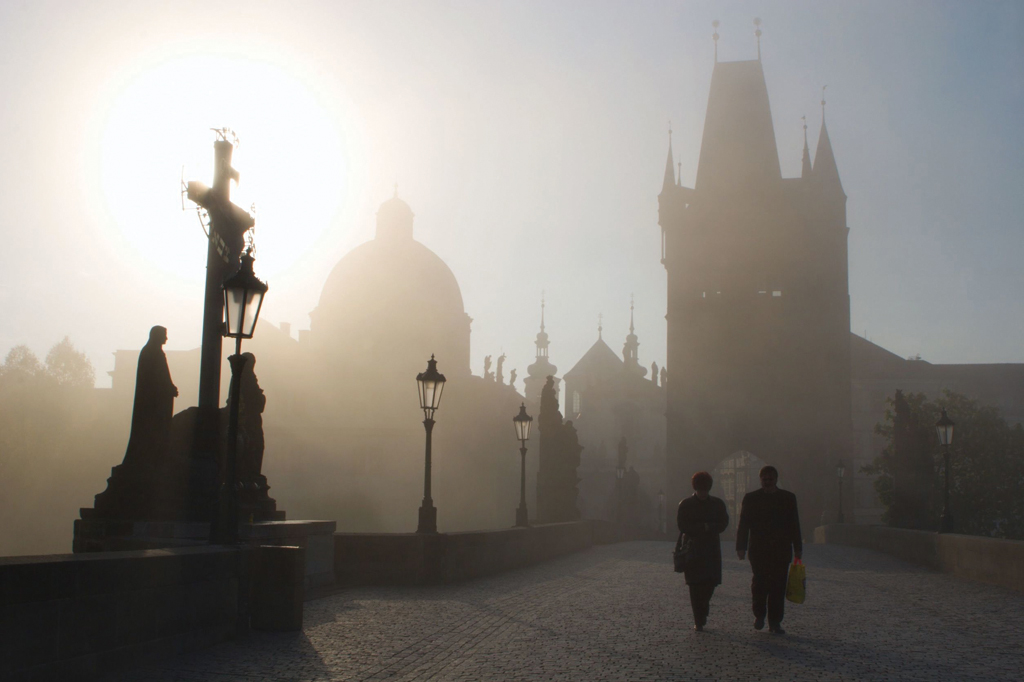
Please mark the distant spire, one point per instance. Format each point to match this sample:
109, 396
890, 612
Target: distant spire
542, 310
826, 173
757, 23
679, 175
670, 171
806, 170
600, 317
630, 349
714, 36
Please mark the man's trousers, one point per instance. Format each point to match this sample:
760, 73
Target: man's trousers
768, 589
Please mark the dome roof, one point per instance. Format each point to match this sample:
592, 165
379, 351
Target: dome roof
393, 296
383, 275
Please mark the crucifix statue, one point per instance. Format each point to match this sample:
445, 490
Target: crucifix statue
227, 227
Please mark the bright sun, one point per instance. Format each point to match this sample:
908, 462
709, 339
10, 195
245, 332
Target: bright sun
292, 160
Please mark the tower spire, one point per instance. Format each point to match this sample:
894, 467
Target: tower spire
757, 32
630, 349
805, 171
542, 310
826, 173
714, 36
670, 170
600, 317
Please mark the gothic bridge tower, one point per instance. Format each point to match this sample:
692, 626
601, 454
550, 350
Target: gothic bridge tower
758, 302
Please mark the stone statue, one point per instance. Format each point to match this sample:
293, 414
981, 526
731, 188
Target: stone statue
512, 379
654, 373
253, 494
664, 376
154, 404
487, 367
501, 374
560, 450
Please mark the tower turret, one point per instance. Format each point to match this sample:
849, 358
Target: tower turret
630, 349
541, 369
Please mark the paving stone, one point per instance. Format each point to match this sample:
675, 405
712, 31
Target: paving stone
619, 612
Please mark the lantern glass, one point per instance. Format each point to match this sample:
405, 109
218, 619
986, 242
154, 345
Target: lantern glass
431, 385
944, 429
243, 298
522, 422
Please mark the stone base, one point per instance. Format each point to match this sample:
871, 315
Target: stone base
112, 535
316, 537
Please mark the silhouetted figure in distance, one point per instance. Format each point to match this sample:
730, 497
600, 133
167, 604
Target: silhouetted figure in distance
701, 519
154, 403
769, 518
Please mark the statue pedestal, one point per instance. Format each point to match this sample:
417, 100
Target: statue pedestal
112, 535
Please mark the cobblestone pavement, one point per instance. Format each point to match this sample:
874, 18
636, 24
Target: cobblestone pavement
618, 612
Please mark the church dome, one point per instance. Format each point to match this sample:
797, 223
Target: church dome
394, 297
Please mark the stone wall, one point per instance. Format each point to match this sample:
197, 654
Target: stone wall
987, 560
75, 616
414, 559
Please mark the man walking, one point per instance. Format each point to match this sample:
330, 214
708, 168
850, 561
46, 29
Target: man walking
769, 519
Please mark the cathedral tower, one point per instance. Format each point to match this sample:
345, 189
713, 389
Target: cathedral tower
758, 301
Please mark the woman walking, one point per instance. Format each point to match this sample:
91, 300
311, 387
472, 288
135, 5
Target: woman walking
701, 518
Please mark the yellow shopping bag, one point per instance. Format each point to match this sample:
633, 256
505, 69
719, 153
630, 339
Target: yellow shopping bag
796, 588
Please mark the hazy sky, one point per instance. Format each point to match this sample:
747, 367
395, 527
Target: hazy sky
528, 137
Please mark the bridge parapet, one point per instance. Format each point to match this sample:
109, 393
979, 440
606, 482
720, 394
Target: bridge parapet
988, 560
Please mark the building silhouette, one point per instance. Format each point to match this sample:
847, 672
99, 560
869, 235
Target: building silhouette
758, 300
608, 398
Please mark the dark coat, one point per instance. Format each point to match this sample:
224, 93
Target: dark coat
770, 526
153, 408
701, 521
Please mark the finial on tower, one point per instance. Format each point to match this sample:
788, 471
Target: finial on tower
542, 310
757, 32
600, 317
823, 103
679, 175
714, 36
631, 313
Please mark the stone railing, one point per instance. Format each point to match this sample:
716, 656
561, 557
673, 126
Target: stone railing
76, 616
414, 559
987, 560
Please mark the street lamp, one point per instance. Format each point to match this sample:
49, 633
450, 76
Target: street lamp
944, 428
620, 474
243, 298
840, 474
522, 422
661, 511
431, 385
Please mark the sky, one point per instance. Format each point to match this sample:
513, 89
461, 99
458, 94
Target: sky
528, 137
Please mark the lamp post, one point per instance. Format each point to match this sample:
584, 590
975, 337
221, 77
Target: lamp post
620, 474
661, 511
944, 428
522, 422
431, 384
840, 474
243, 298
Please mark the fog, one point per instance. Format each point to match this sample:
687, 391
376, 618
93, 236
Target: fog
529, 141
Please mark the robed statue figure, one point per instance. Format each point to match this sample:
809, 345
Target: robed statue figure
154, 403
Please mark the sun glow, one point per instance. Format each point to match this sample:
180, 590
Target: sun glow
293, 161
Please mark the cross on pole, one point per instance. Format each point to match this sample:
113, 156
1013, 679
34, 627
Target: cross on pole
228, 225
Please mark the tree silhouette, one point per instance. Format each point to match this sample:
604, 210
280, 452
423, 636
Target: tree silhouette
70, 367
